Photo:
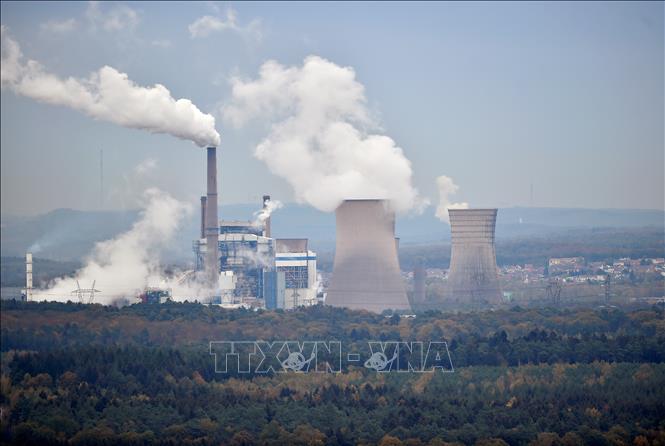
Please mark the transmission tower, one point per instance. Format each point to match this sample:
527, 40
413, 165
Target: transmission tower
553, 290
608, 287
81, 293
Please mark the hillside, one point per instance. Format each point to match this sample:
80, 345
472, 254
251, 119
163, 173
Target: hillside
66, 234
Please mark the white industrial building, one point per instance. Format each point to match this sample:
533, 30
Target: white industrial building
298, 264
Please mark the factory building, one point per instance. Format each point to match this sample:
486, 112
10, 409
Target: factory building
473, 276
282, 272
253, 268
366, 273
298, 264
244, 255
243, 264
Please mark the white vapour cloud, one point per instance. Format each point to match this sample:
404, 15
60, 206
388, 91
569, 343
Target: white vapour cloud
145, 166
59, 26
123, 266
264, 213
119, 17
447, 188
107, 95
317, 139
208, 24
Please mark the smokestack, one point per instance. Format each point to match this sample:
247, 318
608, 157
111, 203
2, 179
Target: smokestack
203, 217
366, 274
266, 227
28, 276
212, 224
473, 276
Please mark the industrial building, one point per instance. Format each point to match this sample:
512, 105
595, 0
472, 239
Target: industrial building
366, 273
245, 265
473, 277
298, 264
281, 272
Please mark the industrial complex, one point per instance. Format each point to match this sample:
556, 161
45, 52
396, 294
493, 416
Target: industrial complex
242, 264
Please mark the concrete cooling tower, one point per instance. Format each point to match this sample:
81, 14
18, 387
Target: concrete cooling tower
366, 274
473, 274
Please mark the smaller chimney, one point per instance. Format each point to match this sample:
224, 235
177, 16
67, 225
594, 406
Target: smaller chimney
266, 225
28, 276
204, 200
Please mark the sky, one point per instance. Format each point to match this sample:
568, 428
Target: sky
565, 99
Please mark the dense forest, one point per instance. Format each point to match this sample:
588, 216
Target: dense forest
89, 374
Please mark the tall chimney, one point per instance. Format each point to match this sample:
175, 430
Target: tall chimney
203, 216
28, 276
212, 224
266, 225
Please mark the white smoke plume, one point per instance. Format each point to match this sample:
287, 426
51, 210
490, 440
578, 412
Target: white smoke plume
125, 265
317, 141
107, 95
264, 213
447, 188
257, 259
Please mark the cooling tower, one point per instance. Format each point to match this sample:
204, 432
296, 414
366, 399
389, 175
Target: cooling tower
212, 225
473, 275
366, 274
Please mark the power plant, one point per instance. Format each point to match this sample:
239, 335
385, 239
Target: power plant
473, 276
366, 273
243, 265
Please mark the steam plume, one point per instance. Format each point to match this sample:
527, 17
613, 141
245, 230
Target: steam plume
264, 213
317, 139
447, 188
107, 95
126, 264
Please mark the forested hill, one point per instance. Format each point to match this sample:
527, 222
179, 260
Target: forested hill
141, 375
37, 326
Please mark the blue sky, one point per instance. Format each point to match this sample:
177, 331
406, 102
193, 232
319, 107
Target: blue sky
565, 96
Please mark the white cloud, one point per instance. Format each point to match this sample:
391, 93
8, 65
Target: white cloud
146, 166
318, 140
118, 17
107, 95
447, 187
59, 26
208, 24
